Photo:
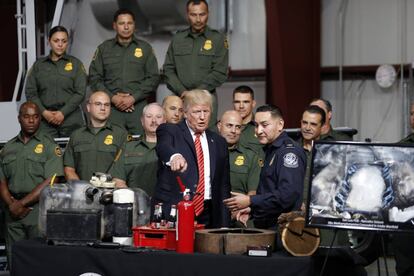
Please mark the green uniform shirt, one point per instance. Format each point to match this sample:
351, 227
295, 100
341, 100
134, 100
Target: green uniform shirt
25, 166
249, 139
245, 166
130, 69
334, 135
196, 61
408, 140
57, 85
88, 152
138, 165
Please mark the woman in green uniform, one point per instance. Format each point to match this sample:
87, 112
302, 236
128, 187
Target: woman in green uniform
57, 84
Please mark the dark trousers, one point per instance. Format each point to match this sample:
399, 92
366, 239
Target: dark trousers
205, 216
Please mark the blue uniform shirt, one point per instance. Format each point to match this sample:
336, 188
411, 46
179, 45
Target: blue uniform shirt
281, 181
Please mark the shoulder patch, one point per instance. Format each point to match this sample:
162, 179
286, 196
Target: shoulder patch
290, 160
261, 162
58, 151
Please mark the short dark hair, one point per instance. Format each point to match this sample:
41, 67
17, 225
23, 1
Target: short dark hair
57, 29
244, 89
314, 109
27, 104
328, 105
196, 2
123, 11
274, 110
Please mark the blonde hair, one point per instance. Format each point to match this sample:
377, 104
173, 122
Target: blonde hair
197, 97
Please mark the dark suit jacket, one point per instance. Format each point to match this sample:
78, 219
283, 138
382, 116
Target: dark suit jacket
177, 138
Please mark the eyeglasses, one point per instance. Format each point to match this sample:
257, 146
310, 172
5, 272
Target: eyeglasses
99, 104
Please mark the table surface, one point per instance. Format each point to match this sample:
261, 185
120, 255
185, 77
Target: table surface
35, 257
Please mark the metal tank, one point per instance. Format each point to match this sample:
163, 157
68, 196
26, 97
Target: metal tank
81, 196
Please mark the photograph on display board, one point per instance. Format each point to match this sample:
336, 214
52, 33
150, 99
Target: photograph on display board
361, 186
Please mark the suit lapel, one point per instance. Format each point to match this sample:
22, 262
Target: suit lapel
212, 151
187, 136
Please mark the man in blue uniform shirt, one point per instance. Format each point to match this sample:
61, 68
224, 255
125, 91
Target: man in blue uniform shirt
281, 179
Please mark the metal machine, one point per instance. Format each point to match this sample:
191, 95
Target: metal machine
78, 212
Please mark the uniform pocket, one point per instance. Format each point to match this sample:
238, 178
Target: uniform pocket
82, 148
239, 169
136, 68
183, 50
36, 165
9, 165
206, 58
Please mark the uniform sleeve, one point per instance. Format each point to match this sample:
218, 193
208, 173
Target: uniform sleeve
54, 163
79, 90
31, 89
2, 176
166, 144
254, 174
151, 80
219, 70
284, 193
68, 157
170, 72
96, 73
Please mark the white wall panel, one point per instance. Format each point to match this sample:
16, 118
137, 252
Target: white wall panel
375, 32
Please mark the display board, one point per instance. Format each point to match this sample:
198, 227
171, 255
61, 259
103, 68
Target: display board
361, 186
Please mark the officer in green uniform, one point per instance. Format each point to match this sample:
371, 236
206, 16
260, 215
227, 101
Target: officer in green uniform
245, 164
95, 147
126, 68
28, 163
57, 84
197, 57
313, 118
403, 242
137, 167
244, 103
328, 133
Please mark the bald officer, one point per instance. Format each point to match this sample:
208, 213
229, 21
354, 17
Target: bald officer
173, 107
244, 162
93, 148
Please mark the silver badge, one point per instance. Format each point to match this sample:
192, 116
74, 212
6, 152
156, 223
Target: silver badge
290, 160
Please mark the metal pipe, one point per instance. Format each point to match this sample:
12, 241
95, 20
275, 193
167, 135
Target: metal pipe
341, 23
58, 13
403, 84
18, 17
